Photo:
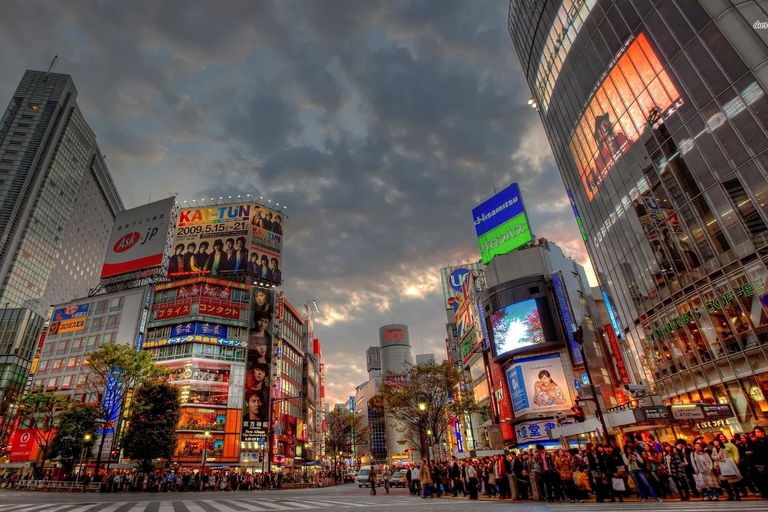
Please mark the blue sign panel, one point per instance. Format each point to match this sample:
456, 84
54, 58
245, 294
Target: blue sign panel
612, 315
517, 389
70, 312
459, 440
456, 278
577, 385
110, 404
201, 328
497, 210
567, 316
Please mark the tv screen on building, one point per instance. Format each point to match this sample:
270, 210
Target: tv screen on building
517, 326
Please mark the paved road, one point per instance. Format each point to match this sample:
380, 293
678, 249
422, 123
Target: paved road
341, 498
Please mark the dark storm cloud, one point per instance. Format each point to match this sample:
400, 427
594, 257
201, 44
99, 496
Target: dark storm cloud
379, 124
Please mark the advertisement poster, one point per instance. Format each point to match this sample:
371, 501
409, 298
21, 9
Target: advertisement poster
538, 385
138, 238
22, 445
258, 368
69, 319
243, 238
501, 225
566, 314
452, 278
608, 127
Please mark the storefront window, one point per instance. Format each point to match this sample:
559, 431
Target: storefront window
739, 401
202, 419
758, 361
724, 369
710, 347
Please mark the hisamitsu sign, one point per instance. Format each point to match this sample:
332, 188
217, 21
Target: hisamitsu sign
501, 224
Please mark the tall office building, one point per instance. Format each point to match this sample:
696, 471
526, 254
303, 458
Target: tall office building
655, 114
395, 356
373, 361
57, 207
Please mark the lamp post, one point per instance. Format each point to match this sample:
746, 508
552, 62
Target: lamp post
421, 402
206, 435
86, 439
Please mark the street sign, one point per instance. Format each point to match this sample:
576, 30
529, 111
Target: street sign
577, 385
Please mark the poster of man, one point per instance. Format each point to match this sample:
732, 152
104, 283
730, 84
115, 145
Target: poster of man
257, 384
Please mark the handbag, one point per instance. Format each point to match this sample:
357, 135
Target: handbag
618, 484
700, 483
728, 468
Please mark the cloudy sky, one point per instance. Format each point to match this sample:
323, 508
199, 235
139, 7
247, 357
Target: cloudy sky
380, 125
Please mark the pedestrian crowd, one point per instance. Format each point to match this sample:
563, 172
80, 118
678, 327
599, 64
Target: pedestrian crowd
183, 480
725, 468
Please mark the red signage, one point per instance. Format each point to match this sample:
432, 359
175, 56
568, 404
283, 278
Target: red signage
280, 305
172, 311
22, 445
214, 292
620, 366
394, 334
221, 310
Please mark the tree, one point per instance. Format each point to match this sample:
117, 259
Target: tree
152, 423
37, 412
115, 371
74, 422
438, 384
342, 430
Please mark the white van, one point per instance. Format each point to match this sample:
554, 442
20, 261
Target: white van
362, 478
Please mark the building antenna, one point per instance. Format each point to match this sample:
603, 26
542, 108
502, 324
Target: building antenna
150, 198
494, 189
422, 344
50, 68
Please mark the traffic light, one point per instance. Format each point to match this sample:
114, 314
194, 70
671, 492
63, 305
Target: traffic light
578, 412
261, 457
114, 454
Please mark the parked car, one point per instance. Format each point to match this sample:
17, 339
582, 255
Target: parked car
350, 476
398, 479
362, 478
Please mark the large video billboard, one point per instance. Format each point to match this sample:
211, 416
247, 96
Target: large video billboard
501, 224
138, 239
242, 238
258, 368
634, 87
516, 326
538, 385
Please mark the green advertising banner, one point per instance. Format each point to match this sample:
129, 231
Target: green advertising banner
505, 238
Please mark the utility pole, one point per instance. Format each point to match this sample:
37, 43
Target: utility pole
578, 335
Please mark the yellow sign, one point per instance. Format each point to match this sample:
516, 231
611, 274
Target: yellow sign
75, 324
401, 456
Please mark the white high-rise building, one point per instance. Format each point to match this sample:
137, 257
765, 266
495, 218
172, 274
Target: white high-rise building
396, 358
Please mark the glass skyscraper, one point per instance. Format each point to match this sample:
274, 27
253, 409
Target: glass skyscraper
655, 112
57, 207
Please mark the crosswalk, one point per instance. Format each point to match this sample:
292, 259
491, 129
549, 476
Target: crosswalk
688, 506
208, 505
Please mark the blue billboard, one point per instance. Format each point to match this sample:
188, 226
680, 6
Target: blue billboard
201, 328
517, 389
567, 315
497, 210
501, 224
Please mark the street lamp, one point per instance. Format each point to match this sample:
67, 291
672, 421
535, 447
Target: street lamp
422, 402
206, 435
86, 440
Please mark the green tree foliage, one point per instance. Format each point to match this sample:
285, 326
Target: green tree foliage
115, 371
152, 421
75, 422
439, 385
343, 429
37, 412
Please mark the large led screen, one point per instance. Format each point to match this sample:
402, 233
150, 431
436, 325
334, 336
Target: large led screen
517, 326
635, 89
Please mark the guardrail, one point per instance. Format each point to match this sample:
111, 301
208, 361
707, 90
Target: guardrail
54, 485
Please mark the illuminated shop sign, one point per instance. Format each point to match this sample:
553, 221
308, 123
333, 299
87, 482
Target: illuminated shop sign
195, 339
577, 215
745, 290
607, 129
501, 224
565, 312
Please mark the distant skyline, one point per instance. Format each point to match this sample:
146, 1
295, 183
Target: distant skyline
379, 124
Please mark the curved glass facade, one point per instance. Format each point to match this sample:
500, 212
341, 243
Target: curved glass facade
657, 115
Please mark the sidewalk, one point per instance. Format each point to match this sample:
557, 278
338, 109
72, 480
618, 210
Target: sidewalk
630, 499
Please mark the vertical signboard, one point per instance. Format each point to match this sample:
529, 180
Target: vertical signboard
569, 326
258, 368
618, 358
